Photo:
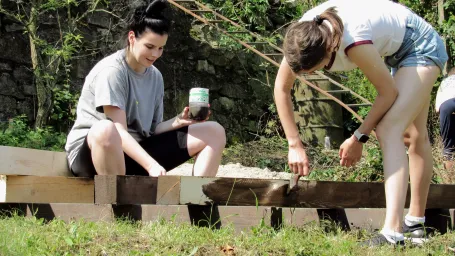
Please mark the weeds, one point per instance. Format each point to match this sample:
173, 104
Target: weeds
32, 236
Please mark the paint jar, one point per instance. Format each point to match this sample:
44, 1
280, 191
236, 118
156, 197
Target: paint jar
199, 104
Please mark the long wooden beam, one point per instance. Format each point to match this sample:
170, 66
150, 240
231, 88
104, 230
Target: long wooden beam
183, 190
25, 161
240, 217
36, 189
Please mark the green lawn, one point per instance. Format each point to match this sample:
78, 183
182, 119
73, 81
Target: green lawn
31, 236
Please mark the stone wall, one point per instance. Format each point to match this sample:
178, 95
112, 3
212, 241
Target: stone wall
239, 95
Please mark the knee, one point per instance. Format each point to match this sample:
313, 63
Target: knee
217, 132
104, 134
416, 139
388, 133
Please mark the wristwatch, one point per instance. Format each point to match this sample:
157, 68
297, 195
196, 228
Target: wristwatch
361, 137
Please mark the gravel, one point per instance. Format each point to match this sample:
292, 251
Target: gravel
235, 171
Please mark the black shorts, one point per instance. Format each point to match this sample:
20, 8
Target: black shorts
169, 149
447, 128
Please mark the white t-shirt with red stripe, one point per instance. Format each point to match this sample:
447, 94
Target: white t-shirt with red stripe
378, 22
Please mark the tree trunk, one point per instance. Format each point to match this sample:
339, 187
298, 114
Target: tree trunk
43, 91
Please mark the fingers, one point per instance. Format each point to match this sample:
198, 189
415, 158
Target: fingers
348, 162
300, 168
157, 171
306, 169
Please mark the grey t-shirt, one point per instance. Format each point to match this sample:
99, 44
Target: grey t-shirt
113, 83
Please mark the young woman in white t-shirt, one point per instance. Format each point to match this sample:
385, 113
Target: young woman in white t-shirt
344, 34
119, 127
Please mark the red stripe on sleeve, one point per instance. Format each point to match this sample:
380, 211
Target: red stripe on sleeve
356, 44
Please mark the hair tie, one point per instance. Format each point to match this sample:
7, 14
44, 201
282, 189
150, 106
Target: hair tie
318, 19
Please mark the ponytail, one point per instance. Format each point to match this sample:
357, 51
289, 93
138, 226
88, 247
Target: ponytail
149, 17
307, 43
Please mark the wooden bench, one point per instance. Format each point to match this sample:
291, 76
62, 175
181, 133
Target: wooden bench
39, 183
38, 176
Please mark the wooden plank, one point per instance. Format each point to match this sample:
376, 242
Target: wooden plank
24, 161
252, 192
168, 190
320, 194
60, 165
36, 189
112, 189
243, 192
298, 216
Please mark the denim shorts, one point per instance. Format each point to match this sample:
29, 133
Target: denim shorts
422, 46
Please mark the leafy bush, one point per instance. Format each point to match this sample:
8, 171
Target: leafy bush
17, 133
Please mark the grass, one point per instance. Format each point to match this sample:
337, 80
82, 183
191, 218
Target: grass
32, 236
272, 152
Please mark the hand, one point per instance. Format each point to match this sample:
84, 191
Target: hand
183, 119
156, 170
298, 161
350, 152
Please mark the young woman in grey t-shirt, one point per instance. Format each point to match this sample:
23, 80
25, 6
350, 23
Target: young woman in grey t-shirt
119, 128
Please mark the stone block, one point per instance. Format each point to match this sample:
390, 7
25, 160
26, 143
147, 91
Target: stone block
14, 27
29, 89
7, 107
15, 48
236, 91
8, 87
204, 66
5, 66
100, 19
26, 107
23, 75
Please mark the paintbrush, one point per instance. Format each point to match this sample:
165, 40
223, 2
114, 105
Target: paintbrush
293, 181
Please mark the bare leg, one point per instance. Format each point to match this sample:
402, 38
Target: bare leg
207, 141
106, 146
420, 162
414, 85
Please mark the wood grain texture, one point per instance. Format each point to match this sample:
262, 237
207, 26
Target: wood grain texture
307, 194
168, 190
37, 189
111, 189
254, 192
24, 161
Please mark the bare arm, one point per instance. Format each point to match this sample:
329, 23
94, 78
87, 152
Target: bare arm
283, 85
130, 146
169, 125
367, 58
297, 158
177, 122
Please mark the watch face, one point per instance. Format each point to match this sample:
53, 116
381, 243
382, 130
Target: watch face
363, 138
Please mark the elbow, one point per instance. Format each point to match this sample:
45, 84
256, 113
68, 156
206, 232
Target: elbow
280, 90
390, 95
394, 94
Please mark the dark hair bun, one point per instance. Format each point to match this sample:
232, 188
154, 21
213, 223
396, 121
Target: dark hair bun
155, 8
